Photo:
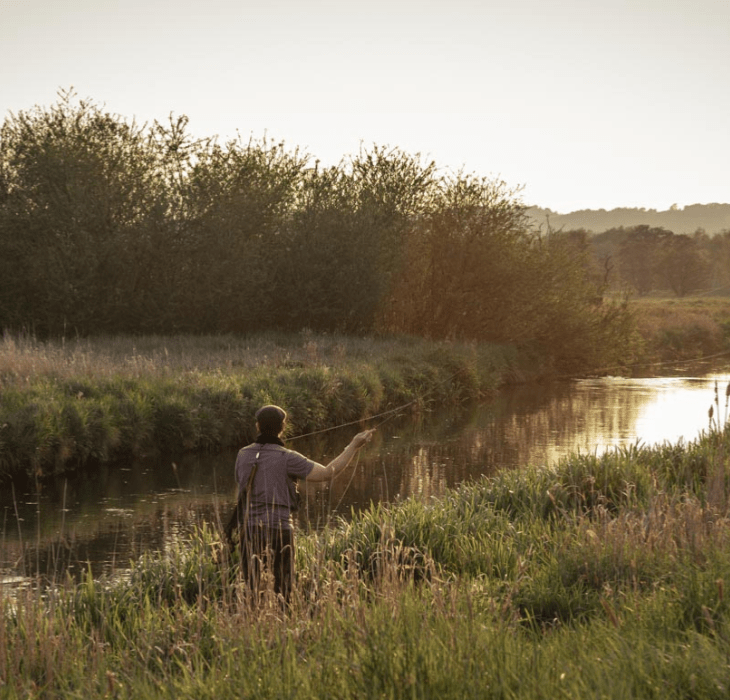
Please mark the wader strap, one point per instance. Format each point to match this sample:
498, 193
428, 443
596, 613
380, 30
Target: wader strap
249, 484
239, 516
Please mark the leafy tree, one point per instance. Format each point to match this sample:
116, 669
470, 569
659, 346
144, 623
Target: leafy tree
345, 242
321, 266
76, 186
572, 320
106, 226
718, 254
239, 199
461, 257
682, 266
639, 255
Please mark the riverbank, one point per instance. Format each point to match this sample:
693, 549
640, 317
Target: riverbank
601, 577
72, 404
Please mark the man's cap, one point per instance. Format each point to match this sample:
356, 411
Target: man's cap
271, 419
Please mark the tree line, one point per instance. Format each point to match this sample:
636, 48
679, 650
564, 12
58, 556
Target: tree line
107, 226
648, 259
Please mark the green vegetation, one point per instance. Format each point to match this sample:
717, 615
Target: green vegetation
109, 227
75, 403
71, 403
600, 577
275, 280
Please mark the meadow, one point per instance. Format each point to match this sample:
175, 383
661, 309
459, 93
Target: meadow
599, 577
674, 328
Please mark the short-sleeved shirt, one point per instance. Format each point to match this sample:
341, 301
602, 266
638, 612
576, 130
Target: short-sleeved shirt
270, 503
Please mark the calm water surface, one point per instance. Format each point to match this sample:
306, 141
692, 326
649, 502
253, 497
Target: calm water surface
111, 516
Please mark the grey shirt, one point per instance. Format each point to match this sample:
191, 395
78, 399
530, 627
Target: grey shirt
270, 498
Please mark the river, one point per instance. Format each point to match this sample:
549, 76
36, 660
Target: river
109, 517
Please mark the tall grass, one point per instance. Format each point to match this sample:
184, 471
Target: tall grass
600, 577
70, 404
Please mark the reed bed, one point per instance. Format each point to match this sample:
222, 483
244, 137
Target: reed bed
71, 404
601, 577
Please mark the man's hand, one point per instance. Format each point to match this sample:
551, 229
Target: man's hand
362, 438
322, 473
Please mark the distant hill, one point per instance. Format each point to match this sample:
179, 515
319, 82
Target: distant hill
713, 218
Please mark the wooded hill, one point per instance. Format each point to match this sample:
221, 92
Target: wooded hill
712, 218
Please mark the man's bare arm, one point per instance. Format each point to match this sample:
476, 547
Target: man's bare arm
325, 473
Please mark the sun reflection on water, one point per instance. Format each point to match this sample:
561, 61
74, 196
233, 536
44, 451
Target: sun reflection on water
622, 412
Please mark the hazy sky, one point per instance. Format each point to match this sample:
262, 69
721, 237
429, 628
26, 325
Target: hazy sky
585, 103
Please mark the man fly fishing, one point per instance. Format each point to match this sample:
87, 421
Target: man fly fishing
266, 472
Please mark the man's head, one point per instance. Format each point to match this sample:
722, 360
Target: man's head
270, 420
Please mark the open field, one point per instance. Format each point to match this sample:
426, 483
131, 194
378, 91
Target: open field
601, 577
683, 328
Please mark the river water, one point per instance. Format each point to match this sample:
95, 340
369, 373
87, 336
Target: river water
109, 517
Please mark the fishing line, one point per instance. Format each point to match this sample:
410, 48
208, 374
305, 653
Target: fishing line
352, 476
354, 470
649, 363
354, 422
388, 413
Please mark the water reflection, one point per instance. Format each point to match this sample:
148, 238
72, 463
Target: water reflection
112, 515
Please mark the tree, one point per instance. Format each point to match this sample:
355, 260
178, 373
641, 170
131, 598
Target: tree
639, 255
459, 262
682, 266
76, 187
239, 199
345, 243
718, 254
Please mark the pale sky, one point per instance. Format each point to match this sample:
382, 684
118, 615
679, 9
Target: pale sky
583, 103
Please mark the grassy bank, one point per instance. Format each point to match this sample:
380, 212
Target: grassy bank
682, 328
70, 404
601, 577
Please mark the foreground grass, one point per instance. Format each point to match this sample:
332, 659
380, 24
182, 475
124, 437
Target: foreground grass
72, 403
602, 577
